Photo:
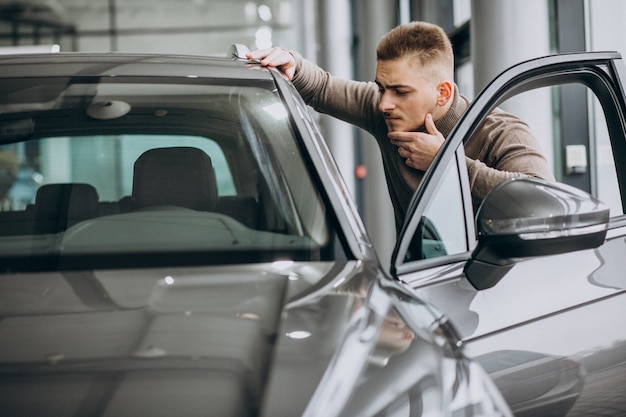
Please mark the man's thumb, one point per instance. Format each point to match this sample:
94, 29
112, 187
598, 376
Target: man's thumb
429, 123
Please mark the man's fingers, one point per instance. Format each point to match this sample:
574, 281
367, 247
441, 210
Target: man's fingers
401, 137
275, 57
269, 56
259, 54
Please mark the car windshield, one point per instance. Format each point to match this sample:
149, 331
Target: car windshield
123, 172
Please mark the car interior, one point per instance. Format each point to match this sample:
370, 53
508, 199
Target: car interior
127, 173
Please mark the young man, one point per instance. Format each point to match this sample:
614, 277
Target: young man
410, 109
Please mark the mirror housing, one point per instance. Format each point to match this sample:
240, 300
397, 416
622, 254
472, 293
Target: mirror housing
526, 217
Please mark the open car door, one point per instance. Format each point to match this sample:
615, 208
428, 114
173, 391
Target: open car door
533, 280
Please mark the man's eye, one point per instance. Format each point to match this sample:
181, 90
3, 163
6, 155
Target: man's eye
401, 93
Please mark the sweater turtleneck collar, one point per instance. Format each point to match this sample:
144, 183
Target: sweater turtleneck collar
452, 116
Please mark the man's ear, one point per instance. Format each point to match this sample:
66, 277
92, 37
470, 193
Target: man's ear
445, 90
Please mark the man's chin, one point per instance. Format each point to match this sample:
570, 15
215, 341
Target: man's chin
394, 127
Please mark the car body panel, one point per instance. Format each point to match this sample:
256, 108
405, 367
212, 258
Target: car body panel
107, 332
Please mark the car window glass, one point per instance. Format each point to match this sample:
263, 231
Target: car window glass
141, 143
442, 230
89, 159
221, 174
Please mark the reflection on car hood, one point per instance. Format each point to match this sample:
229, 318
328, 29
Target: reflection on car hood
170, 341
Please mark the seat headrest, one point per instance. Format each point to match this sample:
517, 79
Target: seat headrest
62, 205
71, 200
177, 176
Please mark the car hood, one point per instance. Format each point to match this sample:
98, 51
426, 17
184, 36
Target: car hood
171, 341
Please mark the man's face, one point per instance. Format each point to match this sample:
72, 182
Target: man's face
407, 95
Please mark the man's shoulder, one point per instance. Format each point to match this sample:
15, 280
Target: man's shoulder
499, 118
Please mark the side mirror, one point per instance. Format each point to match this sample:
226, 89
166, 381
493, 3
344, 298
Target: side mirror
525, 217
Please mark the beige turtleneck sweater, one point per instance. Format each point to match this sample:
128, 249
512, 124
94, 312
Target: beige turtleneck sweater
503, 147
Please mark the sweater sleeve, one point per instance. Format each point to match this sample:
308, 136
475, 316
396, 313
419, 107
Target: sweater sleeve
503, 148
355, 102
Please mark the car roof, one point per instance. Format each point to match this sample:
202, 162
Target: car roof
128, 64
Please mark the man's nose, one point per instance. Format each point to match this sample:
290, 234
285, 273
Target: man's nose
386, 103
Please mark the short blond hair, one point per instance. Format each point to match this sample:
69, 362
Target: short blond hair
426, 43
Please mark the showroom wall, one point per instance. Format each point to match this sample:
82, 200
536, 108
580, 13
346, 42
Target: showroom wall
181, 26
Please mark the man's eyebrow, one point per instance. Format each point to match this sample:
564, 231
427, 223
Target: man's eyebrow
393, 86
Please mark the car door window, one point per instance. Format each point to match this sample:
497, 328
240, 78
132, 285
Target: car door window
442, 228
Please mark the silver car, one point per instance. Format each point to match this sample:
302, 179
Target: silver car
188, 247
175, 240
